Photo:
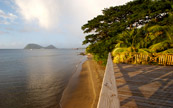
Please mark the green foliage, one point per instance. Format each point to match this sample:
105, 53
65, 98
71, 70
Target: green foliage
118, 29
159, 46
144, 51
167, 51
119, 50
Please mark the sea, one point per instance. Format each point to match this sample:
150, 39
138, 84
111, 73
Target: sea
36, 78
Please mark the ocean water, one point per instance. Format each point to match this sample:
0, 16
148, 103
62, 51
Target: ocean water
35, 78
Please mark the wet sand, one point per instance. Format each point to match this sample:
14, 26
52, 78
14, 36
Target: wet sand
84, 87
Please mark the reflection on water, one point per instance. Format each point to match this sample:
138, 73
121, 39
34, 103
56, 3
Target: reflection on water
35, 79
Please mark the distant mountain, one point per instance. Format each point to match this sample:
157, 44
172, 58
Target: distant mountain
36, 46
50, 47
33, 46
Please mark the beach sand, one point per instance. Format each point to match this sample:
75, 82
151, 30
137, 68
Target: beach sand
84, 87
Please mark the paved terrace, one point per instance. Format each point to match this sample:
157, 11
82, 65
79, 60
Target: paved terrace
144, 86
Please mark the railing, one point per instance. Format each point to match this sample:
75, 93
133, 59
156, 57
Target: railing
109, 95
139, 58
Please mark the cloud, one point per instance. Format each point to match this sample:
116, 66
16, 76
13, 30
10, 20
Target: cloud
6, 18
9, 29
43, 12
25, 29
29, 29
78, 12
2, 32
52, 13
87, 9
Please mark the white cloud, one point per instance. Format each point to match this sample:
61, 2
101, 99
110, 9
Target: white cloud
78, 12
88, 9
52, 13
44, 12
6, 18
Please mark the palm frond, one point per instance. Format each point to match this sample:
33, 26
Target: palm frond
144, 51
118, 45
119, 50
167, 51
169, 33
159, 46
155, 28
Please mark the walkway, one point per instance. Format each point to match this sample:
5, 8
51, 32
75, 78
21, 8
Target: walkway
144, 86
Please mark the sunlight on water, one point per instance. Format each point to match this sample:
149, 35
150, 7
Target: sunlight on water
35, 79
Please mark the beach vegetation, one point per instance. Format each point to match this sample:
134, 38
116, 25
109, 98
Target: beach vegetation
139, 26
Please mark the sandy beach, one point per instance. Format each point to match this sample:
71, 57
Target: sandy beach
84, 87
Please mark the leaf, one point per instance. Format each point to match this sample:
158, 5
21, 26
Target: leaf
167, 51
159, 46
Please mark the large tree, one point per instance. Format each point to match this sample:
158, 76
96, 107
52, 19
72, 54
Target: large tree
105, 31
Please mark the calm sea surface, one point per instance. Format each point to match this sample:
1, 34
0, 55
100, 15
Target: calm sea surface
35, 78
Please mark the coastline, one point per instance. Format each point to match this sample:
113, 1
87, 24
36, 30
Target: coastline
84, 86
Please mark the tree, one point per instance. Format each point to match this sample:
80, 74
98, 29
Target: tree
127, 25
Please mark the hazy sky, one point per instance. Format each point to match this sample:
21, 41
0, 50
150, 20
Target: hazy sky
45, 22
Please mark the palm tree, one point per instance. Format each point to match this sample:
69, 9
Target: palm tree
128, 42
165, 41
155, 39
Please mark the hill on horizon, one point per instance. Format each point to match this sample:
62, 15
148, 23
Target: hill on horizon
36, 46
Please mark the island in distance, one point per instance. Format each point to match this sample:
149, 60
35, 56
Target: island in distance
36, 46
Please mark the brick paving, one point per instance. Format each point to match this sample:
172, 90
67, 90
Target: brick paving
144, 86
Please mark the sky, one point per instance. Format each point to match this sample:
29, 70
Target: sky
45, 22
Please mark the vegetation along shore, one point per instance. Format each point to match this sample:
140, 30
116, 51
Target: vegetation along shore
140, 26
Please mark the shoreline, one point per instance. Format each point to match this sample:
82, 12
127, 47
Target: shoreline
74, 75
84, 86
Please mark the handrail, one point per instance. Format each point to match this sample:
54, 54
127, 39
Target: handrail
140, 58
108, 94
